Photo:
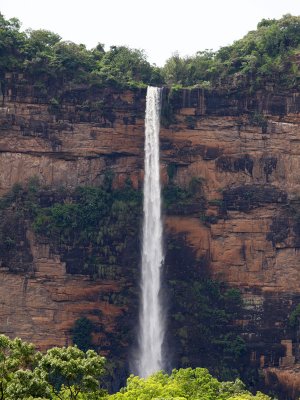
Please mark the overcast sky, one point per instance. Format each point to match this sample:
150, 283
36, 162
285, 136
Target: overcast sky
160, 27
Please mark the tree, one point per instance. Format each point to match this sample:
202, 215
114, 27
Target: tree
175, 70
124, 65
12, 43
39, 51
26, 383
40, 40
17, 358
72, 60
63, 373
193, 70
266, 54
71, 371
183, 384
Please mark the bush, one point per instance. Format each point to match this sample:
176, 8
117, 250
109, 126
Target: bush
82, 333
294, 317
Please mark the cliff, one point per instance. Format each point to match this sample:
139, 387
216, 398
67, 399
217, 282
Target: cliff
243, 223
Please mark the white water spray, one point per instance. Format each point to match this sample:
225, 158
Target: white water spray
152, 329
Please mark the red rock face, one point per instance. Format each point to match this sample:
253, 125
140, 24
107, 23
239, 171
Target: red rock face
245, 149
41, 306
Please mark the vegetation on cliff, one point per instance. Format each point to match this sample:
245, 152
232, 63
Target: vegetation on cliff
269, 55
69, 373
87, 226
100, 223
202, 313
43, 55
95, 230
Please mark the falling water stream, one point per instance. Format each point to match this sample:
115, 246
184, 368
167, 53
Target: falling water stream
151, 329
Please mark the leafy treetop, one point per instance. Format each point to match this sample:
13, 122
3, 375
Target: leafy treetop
183, 384
68, 373
269, 54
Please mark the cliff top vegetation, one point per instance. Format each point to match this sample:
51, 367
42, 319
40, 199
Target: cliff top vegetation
270, 55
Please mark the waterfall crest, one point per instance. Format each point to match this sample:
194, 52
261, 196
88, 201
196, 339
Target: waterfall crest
151, 329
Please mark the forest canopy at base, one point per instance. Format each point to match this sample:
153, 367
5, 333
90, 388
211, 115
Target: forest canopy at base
70, 373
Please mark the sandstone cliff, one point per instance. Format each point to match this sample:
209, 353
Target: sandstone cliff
244, 149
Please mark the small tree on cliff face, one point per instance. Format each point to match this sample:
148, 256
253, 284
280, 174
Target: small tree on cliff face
82, 333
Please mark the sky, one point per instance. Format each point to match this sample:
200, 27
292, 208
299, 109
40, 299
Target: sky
160, 27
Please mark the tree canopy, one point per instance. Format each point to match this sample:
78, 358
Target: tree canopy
44, 54
269, 54
184, 384
68, 373
60, 373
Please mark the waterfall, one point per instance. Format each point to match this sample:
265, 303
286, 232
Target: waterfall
151, 329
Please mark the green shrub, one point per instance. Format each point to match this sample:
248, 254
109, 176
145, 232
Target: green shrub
82, 333
294, 317
175, 195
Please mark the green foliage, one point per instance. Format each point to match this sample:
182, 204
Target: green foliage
268, 54
265, 54
205, 310
173, 194
98, 223
202, 312
17, 380
72, 371
61, 373
12, 43
27, 384
89, 215
68, 373
294, 317
177, 199
82, 333
171, 171
183, 384
10, 196
95, 230
54, 104
232, 297
257, 119
188, 200
193, 70
249, 396
42, 54
124, 65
